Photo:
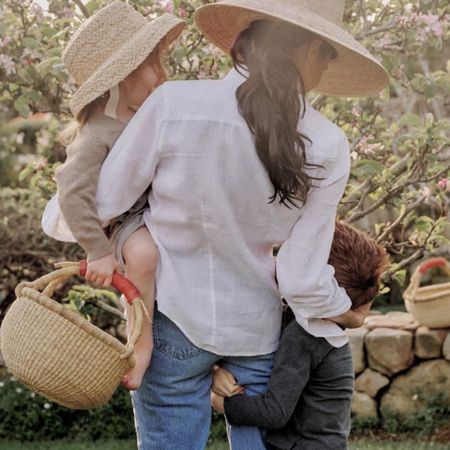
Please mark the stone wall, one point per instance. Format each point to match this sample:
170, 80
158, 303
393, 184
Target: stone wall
399, 365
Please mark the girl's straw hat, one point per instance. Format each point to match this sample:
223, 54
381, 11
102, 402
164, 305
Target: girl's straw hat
354, 72
110, 45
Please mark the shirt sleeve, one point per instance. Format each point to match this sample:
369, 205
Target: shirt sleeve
77, 182
305, 278
290, 375
130, 166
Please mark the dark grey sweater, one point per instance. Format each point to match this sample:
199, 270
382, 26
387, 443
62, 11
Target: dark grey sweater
308, 399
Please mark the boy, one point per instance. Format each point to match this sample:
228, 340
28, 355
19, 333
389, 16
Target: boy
308, 400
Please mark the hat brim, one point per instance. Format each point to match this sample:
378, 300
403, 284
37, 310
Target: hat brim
165, 29
355, 72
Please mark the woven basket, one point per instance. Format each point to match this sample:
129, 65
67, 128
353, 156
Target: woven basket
59, 354
430, 305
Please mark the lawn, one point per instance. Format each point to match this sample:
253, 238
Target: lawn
131, 445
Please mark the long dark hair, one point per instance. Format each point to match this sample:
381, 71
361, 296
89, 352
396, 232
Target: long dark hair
269, 101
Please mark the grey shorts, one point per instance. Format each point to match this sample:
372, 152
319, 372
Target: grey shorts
122, 227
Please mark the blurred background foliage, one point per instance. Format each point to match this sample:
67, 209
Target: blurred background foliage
399, 187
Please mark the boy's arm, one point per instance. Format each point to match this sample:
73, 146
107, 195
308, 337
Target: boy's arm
290, 374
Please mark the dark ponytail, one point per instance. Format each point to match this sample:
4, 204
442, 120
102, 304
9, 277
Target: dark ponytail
269, 100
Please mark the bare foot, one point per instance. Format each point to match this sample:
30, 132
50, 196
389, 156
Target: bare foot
133, 378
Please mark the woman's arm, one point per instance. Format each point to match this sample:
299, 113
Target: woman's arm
305, 278
130, 166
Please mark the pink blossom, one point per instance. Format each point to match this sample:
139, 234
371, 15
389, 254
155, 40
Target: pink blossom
5, 41
41, 164
201, 75
66, 12
29, 54
430, 25
7, 64
36, 11
426, 192
182, 12
443, 184
167, 5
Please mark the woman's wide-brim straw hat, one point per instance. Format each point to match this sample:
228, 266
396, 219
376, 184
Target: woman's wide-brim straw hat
110, 45
354, 72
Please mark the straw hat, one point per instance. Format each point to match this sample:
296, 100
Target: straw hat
354, 72
110, 45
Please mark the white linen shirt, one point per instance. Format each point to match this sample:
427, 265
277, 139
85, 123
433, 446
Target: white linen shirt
213, 224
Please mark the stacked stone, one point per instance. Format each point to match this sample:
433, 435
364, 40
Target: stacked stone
399, 365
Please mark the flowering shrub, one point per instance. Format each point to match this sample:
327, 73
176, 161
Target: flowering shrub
398, 189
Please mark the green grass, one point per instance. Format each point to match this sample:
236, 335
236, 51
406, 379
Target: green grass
131, 445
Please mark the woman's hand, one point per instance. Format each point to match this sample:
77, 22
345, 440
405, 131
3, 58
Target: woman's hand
100, 271
224, 384
353, 318
217, 402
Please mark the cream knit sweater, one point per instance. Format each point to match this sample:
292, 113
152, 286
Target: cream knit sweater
77, 182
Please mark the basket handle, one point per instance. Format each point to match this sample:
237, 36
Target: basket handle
416, 278
119, 282
432, 263
65, 270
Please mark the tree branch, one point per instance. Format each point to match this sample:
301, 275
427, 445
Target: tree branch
400, 218
389, 26
82, 8
359, 215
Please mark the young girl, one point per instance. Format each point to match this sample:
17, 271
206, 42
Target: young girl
115, 59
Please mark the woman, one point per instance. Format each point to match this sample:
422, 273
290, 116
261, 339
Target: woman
239, 166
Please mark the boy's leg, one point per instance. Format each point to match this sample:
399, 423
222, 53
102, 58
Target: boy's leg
141, 259
253, 373
325, 404
172, 408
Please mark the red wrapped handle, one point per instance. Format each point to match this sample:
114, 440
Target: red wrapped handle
119, 282
432, 263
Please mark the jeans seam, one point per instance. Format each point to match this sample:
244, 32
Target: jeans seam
170, 351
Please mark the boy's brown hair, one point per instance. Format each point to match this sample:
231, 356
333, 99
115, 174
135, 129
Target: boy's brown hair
358, 262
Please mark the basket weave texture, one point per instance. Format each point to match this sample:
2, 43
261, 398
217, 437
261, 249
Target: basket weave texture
430, 305
59, 354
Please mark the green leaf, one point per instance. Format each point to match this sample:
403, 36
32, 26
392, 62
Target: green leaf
22, 105
400, 277
368, 168
410, 119
423, 223
91, 6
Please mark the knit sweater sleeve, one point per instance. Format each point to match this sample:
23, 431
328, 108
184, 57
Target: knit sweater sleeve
290, 374
77, 184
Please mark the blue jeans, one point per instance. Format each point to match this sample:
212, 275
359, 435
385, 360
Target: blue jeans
172, 408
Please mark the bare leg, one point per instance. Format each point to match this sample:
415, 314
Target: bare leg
141, 258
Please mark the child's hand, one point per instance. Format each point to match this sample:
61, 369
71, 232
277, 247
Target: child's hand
100, 270
217, 402
224, 384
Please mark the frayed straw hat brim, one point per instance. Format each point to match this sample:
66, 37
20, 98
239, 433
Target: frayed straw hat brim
164, 29
354, 72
